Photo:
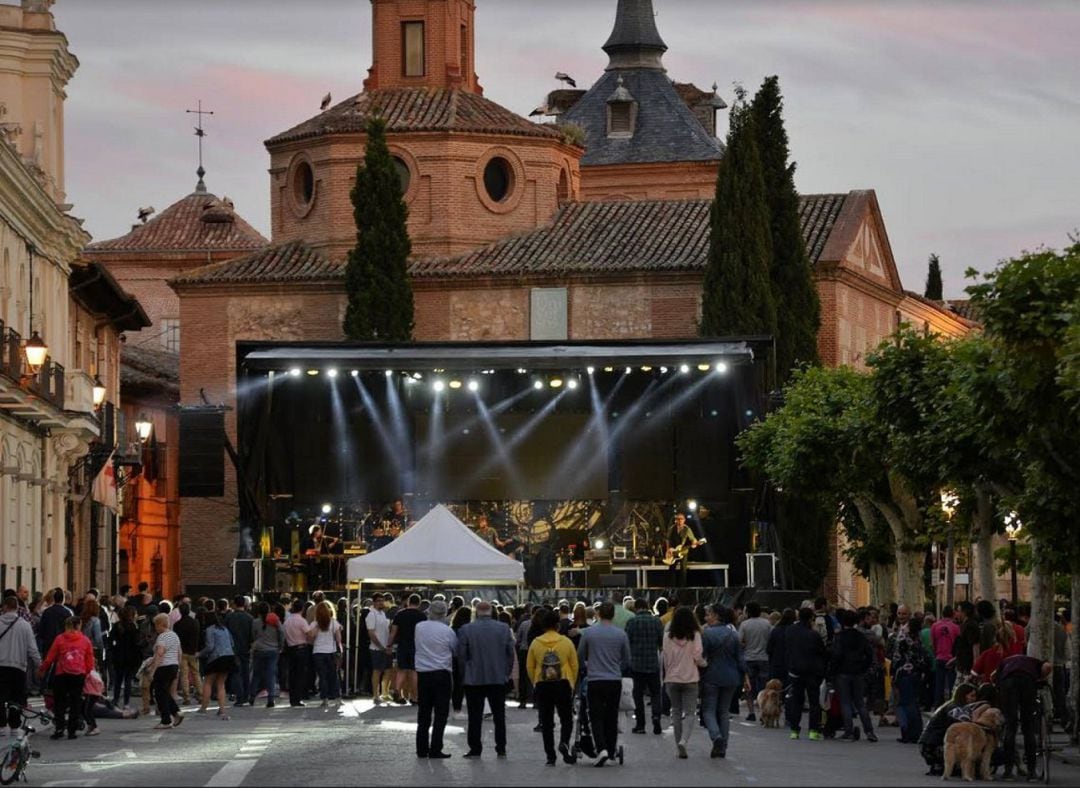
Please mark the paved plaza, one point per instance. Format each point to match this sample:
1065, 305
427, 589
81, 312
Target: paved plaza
359, 744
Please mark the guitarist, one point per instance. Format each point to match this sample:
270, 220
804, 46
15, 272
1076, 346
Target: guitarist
680, 542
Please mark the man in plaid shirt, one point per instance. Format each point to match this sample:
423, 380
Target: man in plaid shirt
646, 634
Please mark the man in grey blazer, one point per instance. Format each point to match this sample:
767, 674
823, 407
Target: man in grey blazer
486, 650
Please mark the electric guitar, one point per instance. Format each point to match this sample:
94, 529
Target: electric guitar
676, 554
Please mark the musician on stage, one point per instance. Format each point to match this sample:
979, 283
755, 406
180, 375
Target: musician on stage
315, 549
681, 540
488, 534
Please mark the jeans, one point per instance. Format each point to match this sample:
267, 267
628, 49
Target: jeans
683, 704
552, 697
67, 701
457, 694
757, 671
264, 672
524, 685
1017, 700
298, 659
495, 695
804, 687
164, 676
604, 699
240, 680
326, 670
944, 678
435, 688
715, 703
853, 700
189, 674
908, 714
122, 676
650, 682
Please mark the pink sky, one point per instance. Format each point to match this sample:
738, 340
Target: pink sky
963, 116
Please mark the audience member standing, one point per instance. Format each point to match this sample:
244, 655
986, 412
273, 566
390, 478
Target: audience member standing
188, 630
682, 658
552, 665
18, 651
240, 624
943, 634
402, 635
805, 650
605, 653
72, 656
646, 636
851, 657
164, 668
754, 634
724, 673
297, 649
486, 652
435, 647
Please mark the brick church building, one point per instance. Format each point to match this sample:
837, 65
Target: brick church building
592, 227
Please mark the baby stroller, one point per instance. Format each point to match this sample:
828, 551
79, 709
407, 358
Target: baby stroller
584, 743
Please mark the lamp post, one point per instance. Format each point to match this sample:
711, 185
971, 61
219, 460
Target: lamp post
99, 392
949, 502
143, 427
1012, 532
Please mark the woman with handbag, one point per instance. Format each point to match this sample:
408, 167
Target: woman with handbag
325, 635
220, 661
125, 656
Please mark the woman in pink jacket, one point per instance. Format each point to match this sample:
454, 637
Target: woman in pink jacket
72, 654
682, 658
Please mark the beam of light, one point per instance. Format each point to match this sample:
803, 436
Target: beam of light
377, 421
345, 447
423, 452
498, 444
397, 413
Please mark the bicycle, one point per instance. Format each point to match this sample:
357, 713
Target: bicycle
18, 753
1042, 714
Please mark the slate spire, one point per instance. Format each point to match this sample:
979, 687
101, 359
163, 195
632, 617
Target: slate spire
635, 42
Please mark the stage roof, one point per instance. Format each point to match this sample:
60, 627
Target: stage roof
507, 355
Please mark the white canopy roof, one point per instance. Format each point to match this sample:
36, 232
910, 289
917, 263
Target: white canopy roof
439, 548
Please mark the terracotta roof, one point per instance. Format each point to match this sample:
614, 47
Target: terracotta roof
963, 307
418, 109
291, 262
198, 222
941, 306
817, 216
655, 235
146, 369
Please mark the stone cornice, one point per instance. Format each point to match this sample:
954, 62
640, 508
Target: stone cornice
48, 48
843, 275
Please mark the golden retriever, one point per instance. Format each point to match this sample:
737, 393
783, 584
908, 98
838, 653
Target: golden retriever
770, 701
970, 744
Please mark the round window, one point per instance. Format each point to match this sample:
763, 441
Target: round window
404, 174
498, 179
304, 183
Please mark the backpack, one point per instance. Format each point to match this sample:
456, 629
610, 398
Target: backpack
551, 666
71, 663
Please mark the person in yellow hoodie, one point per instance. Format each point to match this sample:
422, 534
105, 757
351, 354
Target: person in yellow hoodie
552, 664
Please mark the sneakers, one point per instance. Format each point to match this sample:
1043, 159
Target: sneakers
751, 717
656, 727
377, 700
816, 736
564, 750
847, 737
794, 735
871, 736
681, 748
638, 729
717, 749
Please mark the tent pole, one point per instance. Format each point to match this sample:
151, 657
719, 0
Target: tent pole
356, 652
348, 633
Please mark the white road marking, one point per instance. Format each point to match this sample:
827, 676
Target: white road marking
231, 774
121, 753
86, 783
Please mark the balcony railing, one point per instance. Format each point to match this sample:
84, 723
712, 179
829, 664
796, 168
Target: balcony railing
48, 383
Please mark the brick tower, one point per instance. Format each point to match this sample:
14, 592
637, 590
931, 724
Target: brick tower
423, 43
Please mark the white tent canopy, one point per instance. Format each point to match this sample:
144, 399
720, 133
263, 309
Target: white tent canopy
439, 548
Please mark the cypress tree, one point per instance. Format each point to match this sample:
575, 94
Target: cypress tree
736, 297
376, 281
933, 279
798, 308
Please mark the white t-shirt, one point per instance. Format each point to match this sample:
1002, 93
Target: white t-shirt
171, 642
325, 642
435, 646
378, 623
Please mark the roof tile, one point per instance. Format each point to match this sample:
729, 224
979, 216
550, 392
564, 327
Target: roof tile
291, 262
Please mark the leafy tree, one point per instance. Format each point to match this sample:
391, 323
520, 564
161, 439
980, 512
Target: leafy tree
934, 288
798, 308
380, 297
736, 297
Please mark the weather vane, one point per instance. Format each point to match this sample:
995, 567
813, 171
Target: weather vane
200, 132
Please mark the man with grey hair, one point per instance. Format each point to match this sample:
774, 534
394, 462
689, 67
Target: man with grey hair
435, 647
486, 651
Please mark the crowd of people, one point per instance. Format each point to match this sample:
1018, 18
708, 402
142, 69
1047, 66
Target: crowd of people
572, 661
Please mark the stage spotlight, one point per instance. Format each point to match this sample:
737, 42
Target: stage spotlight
332, 373
411, 381
417, 376
571, 384
556, 383
663, 370
691, 505
522, 371
721, 367
455, 384
295, 372
327, 508
313, 372
598, 544
474, 386
685, 369
438, 385
703, 367
355, 373
539, 384
609, 369
628, 370
646, 369
590, 370
389, 373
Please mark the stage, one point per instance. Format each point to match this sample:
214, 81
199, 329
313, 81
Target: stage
563, 448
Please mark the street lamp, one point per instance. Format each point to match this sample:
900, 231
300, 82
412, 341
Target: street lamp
99, 393
143, 427
36, 352
1012, 532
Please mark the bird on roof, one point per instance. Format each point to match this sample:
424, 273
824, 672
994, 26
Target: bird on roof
325, 102
146, 213
539, 111
566, 78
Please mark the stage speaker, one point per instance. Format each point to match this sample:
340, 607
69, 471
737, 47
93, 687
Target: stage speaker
613, 581
246, 572
202, 453
761, 568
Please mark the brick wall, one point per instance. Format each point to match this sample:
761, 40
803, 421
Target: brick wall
449, 64
669, 181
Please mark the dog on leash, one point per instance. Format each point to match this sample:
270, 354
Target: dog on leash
971, 744
770, 701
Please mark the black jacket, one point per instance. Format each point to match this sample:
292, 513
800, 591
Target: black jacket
52, 624
805, 651
775, 650
850, 654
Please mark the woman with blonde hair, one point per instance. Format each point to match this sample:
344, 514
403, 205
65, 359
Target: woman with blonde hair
325, 636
